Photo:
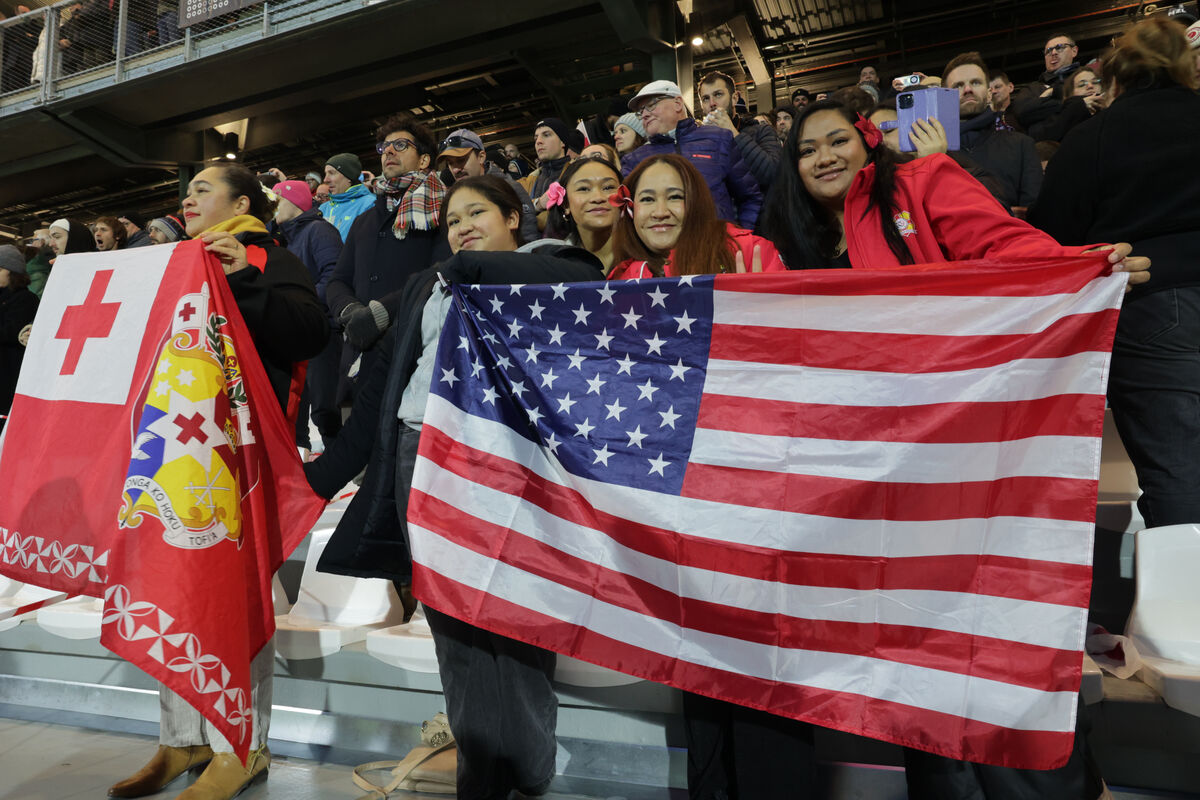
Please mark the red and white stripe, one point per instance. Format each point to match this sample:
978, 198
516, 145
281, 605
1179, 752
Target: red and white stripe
885, 528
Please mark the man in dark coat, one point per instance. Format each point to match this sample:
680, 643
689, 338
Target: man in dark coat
20, 40
1043, 108
709, 148
393, 240
759, 145
1009, 156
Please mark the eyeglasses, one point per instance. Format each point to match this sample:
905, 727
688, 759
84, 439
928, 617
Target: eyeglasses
648, 107
1058, 48
398, 145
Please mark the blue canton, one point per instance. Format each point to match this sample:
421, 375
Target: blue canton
607, 377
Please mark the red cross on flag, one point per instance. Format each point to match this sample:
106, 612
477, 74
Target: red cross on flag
146, 461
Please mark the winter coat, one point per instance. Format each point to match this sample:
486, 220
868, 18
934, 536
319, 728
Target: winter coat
374, 263
17, 309
313, 240
342, 209
943, 215
1124, 176
370, 540
744, 242
529, 221
1009, 156
712, 151
280, 307
38, 268
761, 150
139, 239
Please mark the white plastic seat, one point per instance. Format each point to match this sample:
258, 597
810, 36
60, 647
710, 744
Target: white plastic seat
332, 611
24, 595
408, 646
1164, 624
77, 618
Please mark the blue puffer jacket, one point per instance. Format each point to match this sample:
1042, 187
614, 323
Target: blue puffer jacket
315, 242
710, 150
342, 209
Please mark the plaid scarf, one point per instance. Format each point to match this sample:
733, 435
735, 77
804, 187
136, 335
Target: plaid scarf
419, 196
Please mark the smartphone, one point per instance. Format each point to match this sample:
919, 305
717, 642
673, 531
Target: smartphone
936, 103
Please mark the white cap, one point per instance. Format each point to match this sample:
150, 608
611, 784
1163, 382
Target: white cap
1193, 35
654, 89
61, 223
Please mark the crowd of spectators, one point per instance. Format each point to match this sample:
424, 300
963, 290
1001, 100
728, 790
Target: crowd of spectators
1090, 155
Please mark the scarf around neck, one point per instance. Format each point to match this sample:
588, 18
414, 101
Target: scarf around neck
243, 223
416, 197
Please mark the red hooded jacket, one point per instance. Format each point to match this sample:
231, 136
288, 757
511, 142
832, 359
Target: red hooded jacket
944, 215
743, 241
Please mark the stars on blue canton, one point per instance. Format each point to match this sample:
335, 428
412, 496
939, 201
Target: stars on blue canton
607, 377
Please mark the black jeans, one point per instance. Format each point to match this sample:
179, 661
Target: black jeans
740, 753
1154, 392
501, 705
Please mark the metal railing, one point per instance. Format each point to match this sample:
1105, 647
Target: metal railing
76, 46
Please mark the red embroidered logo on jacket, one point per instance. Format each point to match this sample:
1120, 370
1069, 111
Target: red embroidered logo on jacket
700, 155
904, 224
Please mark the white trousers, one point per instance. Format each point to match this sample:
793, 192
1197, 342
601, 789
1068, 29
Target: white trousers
180, 725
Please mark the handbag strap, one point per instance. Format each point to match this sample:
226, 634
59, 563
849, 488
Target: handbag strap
400, 772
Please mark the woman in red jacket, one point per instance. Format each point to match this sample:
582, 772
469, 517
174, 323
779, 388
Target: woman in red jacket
668, 227
844, 200
850, 202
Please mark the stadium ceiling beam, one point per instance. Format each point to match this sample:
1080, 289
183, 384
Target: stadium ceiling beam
764, 79
127, 145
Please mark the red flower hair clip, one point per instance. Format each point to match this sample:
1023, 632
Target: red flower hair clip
870, 133
622, 199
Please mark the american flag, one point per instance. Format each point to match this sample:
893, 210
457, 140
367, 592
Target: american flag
860, 498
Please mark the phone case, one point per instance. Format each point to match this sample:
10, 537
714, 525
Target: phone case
937, 103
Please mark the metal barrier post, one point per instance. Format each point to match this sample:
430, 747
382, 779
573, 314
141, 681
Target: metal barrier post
50, 27
122, 32
187, 43
266, 31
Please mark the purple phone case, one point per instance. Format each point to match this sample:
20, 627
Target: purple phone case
940, 104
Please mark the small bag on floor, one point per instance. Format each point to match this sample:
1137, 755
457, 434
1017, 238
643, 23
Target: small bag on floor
431, 767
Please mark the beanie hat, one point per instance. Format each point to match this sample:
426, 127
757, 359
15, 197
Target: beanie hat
62, 223
347, 164
314, 177
170, 227
560, 130
633, 121
295, 192
11, 260
134, 218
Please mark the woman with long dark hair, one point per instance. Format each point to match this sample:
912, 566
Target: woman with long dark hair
499, 697
227, 208
669, 227
582, 214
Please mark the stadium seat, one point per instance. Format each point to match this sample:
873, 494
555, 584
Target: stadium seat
1164, 624
408, 646
332, 611
23, 595
1117, 507
77, 618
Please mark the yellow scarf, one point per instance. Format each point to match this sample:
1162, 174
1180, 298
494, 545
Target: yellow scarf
243, 223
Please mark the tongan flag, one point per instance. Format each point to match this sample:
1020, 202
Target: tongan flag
147, 461
861, 498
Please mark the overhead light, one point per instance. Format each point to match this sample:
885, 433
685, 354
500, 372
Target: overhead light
229, 142
697, 41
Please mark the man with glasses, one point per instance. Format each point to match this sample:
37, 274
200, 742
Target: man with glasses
462, 155
397, 236
348, 195
710, 149
1042, 107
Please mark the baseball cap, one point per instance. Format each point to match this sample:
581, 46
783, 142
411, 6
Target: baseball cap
654, 89
459, 143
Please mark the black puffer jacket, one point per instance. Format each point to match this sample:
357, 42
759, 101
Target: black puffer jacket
17, 308
369, 541
1010, 157
761, 150
281, 309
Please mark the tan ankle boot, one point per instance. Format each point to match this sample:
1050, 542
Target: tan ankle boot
167, 764
225, 778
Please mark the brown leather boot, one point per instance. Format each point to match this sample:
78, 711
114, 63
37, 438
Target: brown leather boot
225, 778
167, 764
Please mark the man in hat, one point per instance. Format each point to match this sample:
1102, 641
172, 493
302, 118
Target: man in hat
462, 155
553, 141
710, 148
135, 236
164, 230
313, 180
348, 195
